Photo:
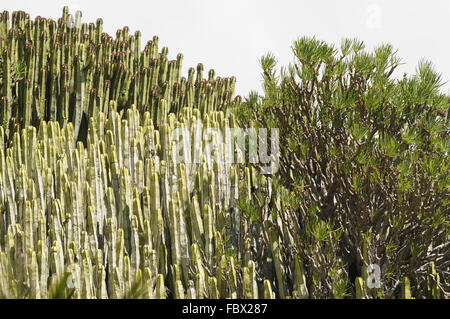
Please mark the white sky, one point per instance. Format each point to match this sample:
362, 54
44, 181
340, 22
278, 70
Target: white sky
231, 35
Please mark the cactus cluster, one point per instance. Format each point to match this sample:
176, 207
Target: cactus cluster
121, 215
68, 71
119, 212
93, 204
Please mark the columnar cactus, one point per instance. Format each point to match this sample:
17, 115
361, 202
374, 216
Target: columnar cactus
360, 288
406, 288
68, 71
433, 282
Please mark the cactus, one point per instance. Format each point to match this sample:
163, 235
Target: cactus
433, 282
406, 288
277, 262
81, 72
213, 292
300, 278
360, 288
137, 221
160, 288
268, 294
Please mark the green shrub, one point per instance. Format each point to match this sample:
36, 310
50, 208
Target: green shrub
364, 167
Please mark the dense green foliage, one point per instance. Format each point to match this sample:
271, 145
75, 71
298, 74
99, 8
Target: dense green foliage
364, 168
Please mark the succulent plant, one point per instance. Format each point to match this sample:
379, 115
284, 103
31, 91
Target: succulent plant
67, 72
93, 203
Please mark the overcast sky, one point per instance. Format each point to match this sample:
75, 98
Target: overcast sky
231, 35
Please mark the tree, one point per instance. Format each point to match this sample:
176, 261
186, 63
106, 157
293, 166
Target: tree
364, 166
